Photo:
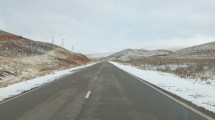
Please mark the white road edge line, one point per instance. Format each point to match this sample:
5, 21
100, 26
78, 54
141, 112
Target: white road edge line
88, 95
171, 97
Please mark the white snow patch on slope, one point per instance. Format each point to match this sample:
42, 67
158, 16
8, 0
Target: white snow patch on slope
198, 92
21, 87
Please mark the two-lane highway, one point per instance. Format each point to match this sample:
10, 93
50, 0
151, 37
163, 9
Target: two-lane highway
99, 92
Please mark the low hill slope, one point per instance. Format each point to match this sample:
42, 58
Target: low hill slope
23, 59
200, 51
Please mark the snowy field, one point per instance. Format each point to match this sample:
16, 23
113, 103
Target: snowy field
21, 87
198, 92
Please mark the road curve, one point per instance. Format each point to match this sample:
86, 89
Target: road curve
99, 92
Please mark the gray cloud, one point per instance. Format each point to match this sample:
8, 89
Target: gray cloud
93, 26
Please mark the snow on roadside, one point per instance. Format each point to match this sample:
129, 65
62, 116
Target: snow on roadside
198, 92
21, 87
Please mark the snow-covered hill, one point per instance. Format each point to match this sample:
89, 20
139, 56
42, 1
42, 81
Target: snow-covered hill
199, 51
137, 53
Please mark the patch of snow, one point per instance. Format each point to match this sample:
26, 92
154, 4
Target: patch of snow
198, 92
18, 88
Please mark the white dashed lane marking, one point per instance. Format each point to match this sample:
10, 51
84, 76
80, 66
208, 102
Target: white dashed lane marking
88, 94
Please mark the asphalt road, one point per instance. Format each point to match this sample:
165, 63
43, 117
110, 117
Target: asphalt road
99, 92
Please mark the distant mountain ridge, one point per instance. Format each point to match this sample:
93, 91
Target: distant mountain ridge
137, 53
202, 51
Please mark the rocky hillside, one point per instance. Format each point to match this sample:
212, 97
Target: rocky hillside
200, 51
17, 46
137, 53
23, 59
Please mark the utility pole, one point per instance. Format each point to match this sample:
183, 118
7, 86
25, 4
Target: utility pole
72, 48
52, 42
31, 45
62, 43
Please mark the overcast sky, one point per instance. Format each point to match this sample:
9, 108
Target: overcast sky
98, 26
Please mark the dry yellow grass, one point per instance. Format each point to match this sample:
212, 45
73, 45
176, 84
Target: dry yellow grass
195, 68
